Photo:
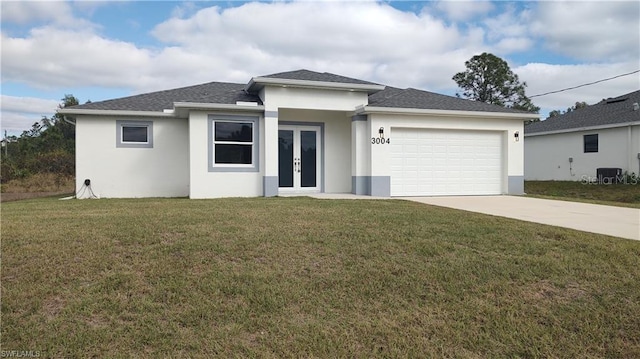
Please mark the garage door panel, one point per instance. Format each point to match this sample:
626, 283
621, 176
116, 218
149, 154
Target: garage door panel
439, 162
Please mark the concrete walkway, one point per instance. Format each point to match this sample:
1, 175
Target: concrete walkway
609, 220
613, 221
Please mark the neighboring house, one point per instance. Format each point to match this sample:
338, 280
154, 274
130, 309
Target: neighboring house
297, 132
571, 147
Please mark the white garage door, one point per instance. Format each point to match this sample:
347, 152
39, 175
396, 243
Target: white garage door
445, 163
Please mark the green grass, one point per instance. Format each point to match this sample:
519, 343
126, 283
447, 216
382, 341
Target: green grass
623, 195
297, 277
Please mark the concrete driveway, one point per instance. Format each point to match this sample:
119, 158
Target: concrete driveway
609, 220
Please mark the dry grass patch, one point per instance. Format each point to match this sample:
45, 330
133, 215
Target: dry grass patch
624, 195
36, 186
297, 277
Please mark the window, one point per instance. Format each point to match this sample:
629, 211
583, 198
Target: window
590, 143
233, 144
134, 134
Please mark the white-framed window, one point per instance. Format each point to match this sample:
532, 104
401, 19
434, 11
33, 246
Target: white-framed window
134, 134
233, 144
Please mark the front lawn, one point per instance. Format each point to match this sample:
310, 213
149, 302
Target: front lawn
298, 277
624, 195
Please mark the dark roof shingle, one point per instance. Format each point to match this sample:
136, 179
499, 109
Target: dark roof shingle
307, 75
606, 112
230, 93
212, 92
419, 99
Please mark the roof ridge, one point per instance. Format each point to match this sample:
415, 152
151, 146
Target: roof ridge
316, 76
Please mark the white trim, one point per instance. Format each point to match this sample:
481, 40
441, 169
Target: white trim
166, 113
297, 179
453, 113
581, 129
254, 166
121, 124
70, 111
217, 106
314, 84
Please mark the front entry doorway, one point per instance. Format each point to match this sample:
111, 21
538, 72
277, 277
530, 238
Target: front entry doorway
299, 154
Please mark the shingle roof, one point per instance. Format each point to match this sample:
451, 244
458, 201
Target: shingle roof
413, 98
307, 75
212, 92
606, 112
230, 93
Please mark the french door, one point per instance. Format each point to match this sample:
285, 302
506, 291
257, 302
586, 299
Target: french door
299, 156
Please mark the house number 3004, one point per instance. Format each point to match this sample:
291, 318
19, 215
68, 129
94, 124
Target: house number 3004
380, 141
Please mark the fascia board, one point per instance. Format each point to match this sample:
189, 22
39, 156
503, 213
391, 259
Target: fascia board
257, 81
450, 113
70, 111
216, 106
581, 129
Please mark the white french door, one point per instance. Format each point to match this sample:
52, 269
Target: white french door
299, 156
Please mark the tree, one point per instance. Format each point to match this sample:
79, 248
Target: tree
48, 146
489, 79
578, 105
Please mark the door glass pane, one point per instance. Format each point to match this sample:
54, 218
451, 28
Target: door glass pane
308, 158
285, 158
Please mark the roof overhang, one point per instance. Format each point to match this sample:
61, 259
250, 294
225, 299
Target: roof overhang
72, 111
257, 83
449, 113
180, 110
580, 129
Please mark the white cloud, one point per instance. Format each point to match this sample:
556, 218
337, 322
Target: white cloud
59, 13
184, 9
367, 40
317, 37
28, 104
464, 10
19, 113
22, 12
510, 45
509, 31
52, 57
590, 30
542, 78
215, 44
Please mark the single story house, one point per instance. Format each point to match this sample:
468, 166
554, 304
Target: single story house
571, 147
297, 132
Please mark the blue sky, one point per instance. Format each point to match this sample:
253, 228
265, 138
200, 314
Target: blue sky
98, 50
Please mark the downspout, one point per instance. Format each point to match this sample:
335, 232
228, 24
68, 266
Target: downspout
629, 149
64, 118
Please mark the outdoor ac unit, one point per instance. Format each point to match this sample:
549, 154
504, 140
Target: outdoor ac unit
609, 175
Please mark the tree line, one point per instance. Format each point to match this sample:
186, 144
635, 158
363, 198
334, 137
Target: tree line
47, 147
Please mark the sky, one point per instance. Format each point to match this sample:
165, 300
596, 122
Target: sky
99, 50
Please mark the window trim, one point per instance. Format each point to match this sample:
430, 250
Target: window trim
211, 141
597, 143
120, 124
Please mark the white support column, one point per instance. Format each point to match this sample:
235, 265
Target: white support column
360, 166
270, 179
